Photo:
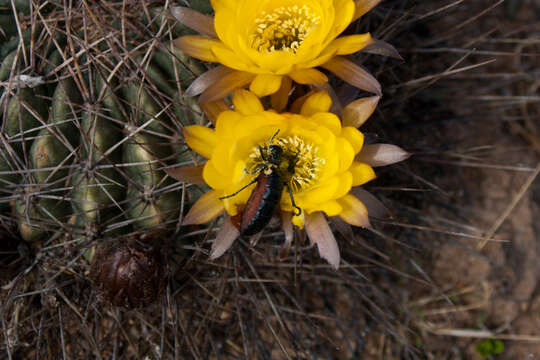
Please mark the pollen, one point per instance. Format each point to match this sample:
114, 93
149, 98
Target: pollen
285, 28
300, 165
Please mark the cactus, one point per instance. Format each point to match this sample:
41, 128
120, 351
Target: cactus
83, 154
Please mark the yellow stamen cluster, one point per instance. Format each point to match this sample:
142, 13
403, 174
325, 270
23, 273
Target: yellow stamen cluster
304, 156
284, 29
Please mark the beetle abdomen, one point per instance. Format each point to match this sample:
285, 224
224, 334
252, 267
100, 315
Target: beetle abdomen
262, 203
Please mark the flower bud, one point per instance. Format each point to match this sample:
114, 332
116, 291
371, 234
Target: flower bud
128, 274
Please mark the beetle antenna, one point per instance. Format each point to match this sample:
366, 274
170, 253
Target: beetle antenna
273, 136
235, 193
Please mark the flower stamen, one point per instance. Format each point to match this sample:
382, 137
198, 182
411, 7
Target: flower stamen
283, 29
301, 164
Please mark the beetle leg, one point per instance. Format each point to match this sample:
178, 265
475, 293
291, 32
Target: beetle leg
261, 150
298, 210
236, 192
256, 171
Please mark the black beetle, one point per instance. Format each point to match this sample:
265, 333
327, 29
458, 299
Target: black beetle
265, 198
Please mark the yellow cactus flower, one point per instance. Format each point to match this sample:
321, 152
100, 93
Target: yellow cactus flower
322, 162
263, 43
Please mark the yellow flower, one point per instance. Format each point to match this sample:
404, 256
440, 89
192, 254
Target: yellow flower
268, 43
323, 161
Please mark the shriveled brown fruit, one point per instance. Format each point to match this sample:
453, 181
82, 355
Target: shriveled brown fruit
128, 273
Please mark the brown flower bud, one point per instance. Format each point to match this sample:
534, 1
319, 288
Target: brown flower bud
128, 274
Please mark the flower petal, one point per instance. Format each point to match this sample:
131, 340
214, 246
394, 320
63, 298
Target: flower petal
353, 74
363, 6
330, 208
354, 211
296, 106
358, 111
319, 233
201, 139
246, 102
373, 205
212, 109
213, 177
308, 76
188, 174
224, 239
350, 44
383, 48
354, 137
232, 59
208, 78
343, 17
346, 153
318, 102
287, 226
280, 98
362, 173
197, 46
328, 120
322, 193
344, 228
265, 84
382, 154
205, 209
226, 85
193, 19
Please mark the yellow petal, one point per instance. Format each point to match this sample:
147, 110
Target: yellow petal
205, 209
214, 178
358, 111
308, 76
354, 211
328, 120
299, 220
197, 46
354, 137
246, 102
220, 5
279, 99
225, 124
363, 6
346, 153
350, 44
330, 208
232, 59
362, 173
345, 184
322, 193
315, 103
343, 17
353, 74
296, 106
226, 85
201, 139
265, 84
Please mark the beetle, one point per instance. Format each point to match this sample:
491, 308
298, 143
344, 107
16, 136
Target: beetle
264, 199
